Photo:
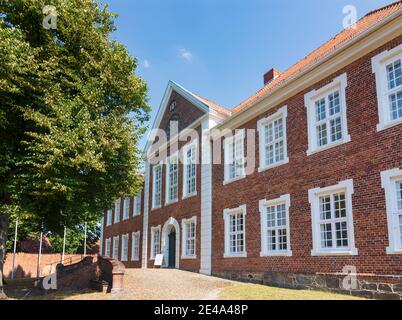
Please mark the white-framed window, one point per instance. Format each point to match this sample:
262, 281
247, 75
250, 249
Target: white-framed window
109, 217
172, 178
107, 247
189, 227
115, 247
135, 246
332, 219
387, 67
155, 241
391, 181
275, 230
235, 232
117, 211
326, 115
234, 157
157, 186
126, 208
189, 169
137, 204
272, 138
124, 247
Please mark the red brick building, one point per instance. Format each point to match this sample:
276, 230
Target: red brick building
309, 186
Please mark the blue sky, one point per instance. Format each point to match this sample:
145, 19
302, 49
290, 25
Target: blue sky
220, 49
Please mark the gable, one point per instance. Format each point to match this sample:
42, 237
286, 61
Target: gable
185, 111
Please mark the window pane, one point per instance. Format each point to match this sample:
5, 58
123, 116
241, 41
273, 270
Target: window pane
334, 104
336, 129
340, 205
282, 243
399, 195
322, 135
394, 72
326, 235
341, 234
270, 217
271, 240
325, 208
320, 110
400, 227
395, 101
281, 215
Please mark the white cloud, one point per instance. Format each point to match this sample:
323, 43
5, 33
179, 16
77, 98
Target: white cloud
186, 54
146, 64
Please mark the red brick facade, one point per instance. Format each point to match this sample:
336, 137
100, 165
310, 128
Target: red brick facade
360, 160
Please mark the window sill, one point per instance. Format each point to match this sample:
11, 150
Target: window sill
226, 182
384, 126
329, 146
124, 219
278, 164
239, 255
276, 254
352, 252
393, 251
156, 208
135, 260
136, 215
171, 202
188, 257
189, 196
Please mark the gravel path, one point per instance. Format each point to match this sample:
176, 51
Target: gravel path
169, 284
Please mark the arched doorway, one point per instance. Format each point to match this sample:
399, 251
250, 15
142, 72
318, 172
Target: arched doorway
171, 244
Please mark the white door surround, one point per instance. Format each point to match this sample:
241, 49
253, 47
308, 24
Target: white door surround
170, 224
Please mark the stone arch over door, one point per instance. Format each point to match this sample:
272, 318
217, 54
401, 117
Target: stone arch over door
170, 224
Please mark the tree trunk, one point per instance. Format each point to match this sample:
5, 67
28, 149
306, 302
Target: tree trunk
3, 240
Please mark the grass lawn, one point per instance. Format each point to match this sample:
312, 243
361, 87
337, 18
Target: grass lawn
260, 292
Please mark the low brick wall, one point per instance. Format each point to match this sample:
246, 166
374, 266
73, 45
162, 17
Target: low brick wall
387, 287
79, 275
26, 264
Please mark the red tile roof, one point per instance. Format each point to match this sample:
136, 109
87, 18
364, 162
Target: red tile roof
213, 104
363, 24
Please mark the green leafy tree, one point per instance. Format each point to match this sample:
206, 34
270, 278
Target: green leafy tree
71, 113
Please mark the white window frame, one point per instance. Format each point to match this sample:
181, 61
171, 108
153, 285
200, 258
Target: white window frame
115, 252
282, 113
239, 136
193, 145
263, 204
126, 208
124, 247
338, 84
109, 217
155, 192
168, 199
388, 183
184, 226
227, 213
117, 206
137, 204
153, 229
107, 247
379, 66
314, 196
135, 246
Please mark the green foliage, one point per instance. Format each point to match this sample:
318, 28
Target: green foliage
71, 114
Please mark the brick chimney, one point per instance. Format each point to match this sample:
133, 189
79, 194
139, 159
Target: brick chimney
271, 75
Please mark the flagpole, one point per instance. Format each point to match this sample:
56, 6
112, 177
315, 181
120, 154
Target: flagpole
64, 245
15, 247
